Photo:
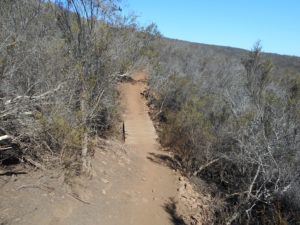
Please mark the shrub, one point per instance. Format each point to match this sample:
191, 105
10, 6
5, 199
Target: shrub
237, 131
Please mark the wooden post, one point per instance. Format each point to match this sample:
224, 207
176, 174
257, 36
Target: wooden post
123, 132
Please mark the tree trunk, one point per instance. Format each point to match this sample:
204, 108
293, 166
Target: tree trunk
84, 143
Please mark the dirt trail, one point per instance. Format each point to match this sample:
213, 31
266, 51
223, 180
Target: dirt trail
155, 183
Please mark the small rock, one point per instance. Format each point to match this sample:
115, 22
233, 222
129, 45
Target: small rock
194, 206
103, 192
105, 181
14, 178
181, 190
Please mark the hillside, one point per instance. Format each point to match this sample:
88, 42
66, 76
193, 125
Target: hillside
193, 57
80, 83
232, 119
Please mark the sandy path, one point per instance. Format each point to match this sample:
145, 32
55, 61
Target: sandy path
155, 183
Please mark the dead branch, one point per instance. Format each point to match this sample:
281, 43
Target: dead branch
5, 138
53, 91
42, 187
253, 182
35, 97
5, 149
205, 166
79, 199
10, 173
36, 164
232, 218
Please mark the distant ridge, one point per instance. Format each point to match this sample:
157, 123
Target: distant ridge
229, 47
197, 55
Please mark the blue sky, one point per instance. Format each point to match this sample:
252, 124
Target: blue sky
236, 23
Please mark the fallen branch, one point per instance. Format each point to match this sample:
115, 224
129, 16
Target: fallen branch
5, 138
124, 78
36, 164
43, 187
5, 149
34, 97
53, 91
10, 173
205, 166
79, 199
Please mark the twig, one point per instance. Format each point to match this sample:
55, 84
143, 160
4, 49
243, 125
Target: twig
204, 166
48, 189
79, 199
253, 182
232, 218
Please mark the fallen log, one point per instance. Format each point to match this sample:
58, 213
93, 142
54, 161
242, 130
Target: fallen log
5, 139
5, 149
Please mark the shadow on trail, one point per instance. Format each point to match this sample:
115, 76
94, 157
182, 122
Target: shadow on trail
171, 209
164, 159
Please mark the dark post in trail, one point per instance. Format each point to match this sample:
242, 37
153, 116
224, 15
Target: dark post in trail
123, 132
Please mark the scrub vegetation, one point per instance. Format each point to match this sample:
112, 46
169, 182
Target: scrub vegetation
232, 118
60, 62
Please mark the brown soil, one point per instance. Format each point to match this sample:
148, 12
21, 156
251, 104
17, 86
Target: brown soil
155, 184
